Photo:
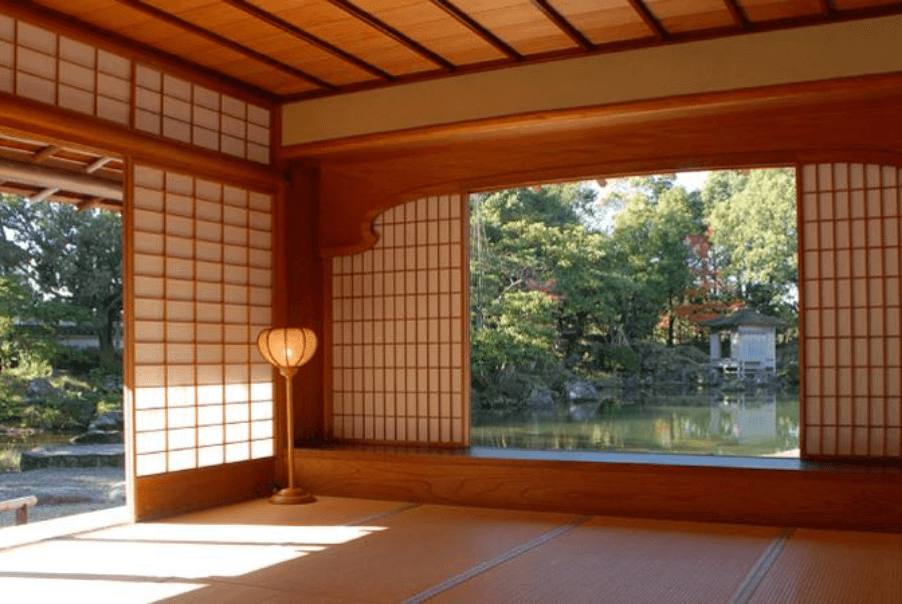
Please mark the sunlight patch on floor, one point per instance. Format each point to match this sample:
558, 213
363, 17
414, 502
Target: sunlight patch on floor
165, 551
235, 534
40, 589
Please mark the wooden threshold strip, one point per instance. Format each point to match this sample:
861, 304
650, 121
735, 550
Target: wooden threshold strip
762, 567
444, 586
822, 496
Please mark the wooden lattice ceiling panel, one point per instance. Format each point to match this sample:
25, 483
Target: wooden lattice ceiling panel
391, 51
606, 21
683, 16
290, 50
771, 10
525, 26
452, 39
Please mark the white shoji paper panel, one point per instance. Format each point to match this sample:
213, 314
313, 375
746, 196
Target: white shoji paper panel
44, 66
182, 111
850, 246
202, 292
398, 357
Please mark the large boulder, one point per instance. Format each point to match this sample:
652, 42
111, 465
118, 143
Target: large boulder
541, 400
582, 399
583, 412
110, 420
39, 389
581, 391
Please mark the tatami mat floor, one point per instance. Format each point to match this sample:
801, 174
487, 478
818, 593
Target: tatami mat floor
344, 551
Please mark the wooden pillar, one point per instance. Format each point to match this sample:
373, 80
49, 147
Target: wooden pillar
304, 295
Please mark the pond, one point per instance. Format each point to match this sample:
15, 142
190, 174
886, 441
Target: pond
737, 424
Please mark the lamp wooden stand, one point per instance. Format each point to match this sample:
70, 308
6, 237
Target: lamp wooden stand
287, 348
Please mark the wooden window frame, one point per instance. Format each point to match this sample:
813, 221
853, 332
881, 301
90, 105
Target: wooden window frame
776, 126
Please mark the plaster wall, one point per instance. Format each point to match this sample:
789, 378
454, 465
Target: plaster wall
809, 54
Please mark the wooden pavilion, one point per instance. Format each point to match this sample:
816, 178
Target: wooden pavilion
752, 341
308, 163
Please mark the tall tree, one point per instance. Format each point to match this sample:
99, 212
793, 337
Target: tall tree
753, 231
650, 239
68, 257
540, 278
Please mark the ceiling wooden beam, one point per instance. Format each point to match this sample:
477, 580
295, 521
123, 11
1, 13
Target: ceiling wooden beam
565, 26
45, 154
781, 24
91, 202
156, 13
393, 33
39, 176
738, 14
297, 32
650, 20
478, 29
98, 164
43, 195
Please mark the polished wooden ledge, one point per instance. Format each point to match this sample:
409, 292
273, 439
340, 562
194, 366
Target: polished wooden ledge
777, 492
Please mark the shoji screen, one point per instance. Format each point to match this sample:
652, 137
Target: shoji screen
44, 66
398, 330
177, 109
850, 218
201, 283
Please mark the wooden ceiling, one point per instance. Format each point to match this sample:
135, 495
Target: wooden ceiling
296, 49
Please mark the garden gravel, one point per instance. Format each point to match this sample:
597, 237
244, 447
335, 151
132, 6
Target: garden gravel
63, 491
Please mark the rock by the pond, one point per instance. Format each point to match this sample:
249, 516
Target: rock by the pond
581, 413
74, 456
581, 391
111, 420
541, 400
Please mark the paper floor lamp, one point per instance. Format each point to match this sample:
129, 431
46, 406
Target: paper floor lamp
287, 348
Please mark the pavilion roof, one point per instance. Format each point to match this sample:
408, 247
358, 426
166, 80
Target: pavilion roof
746, 316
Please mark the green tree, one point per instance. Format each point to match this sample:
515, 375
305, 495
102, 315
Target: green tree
540, 277
650, 241
71, 261
753, 231
12, 300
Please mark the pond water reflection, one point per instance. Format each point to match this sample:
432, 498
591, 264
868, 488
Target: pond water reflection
712, 423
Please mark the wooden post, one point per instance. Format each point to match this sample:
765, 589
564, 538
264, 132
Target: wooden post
20, 505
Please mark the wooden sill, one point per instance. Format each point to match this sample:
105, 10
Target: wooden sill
778, 492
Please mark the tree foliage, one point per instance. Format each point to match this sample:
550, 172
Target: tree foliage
753, 230
558, 274
69, 263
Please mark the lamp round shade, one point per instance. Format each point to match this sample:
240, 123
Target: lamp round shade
287, 347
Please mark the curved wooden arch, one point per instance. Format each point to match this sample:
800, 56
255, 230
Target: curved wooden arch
802, 124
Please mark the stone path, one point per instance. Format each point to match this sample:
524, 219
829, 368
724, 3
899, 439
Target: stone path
63, 491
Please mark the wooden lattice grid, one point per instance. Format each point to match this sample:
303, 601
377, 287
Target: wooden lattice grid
398, 362
182, 111
850, 271
202, 290
44, 66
